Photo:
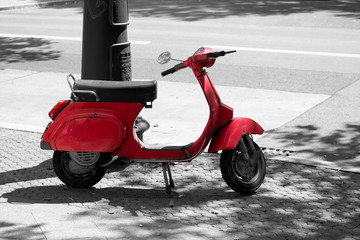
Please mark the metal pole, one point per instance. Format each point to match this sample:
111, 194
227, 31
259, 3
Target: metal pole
106, 50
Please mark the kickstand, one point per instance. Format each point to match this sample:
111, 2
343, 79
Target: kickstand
169, 182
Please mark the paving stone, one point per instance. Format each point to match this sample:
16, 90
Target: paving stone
295, 200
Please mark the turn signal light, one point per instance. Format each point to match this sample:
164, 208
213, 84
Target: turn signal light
58, 108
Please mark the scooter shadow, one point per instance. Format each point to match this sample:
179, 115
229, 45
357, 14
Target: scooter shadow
126, 198
42, 171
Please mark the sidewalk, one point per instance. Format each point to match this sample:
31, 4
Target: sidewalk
295, 201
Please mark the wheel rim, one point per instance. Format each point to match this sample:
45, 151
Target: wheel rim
245, 170
79, 165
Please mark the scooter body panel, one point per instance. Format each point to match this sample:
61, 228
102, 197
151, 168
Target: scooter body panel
92, 126
89, 134
229, 135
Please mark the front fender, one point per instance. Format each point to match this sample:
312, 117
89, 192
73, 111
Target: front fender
228, 136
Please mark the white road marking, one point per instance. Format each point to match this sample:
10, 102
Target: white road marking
268, 50
272, 50
57, 38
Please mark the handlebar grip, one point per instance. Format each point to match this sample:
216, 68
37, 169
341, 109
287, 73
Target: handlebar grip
169, 71
216, 54
219, 54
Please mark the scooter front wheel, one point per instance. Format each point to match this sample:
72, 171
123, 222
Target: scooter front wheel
78, 169
243, 171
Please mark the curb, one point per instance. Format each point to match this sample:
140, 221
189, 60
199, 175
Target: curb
312, 162
44, 4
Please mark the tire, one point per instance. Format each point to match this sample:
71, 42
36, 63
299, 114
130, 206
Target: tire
239, 174
78, 172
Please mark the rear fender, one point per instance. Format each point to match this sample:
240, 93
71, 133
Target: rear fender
228, 136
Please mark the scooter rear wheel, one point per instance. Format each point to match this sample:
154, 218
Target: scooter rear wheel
78, 170
241, 175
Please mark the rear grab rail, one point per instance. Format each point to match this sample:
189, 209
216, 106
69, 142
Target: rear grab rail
73, 92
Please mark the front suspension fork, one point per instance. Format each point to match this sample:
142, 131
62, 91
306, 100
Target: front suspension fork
244, 149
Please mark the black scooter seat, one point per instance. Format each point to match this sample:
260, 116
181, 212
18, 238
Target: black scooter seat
116, 91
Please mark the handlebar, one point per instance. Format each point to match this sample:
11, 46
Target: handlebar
181, 65
169, 71
173, 69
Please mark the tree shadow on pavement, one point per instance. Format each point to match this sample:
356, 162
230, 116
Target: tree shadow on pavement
294, 202
14, 50
338, 145
16, 231
190, 10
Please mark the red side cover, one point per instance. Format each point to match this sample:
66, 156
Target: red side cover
89, 135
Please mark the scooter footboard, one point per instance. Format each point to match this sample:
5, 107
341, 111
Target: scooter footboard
229, 135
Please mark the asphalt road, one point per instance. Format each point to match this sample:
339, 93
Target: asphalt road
312, 52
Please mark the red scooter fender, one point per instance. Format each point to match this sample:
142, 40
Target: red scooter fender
228, 136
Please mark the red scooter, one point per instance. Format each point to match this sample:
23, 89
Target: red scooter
97, 128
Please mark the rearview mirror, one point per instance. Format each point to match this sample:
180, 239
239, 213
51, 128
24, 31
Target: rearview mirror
164, 57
